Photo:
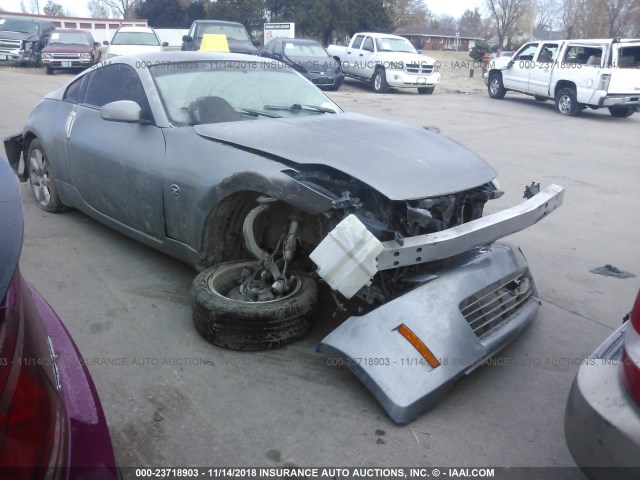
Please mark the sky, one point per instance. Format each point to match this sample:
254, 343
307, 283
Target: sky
455, 8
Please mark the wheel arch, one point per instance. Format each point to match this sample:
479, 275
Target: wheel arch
564, 84
222, 238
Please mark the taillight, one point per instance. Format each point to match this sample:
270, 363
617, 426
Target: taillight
31, 416
631, 353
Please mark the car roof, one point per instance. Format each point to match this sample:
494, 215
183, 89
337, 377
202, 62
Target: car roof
217, 22
136, 29
71, 30
307, 41
178, 56
380, 35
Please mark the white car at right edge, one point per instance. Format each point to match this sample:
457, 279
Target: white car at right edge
576, 74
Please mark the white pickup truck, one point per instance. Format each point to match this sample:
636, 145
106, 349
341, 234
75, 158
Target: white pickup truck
577, 74
386, 61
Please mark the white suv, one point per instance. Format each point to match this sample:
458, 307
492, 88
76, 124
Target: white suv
577, 74
134, 40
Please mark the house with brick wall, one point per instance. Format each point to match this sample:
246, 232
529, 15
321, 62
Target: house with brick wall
427, 38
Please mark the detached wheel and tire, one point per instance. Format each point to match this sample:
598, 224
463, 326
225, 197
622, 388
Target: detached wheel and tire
41, 179
224, 320
426, 90
379, 81
621, 112
567, 102
496, 87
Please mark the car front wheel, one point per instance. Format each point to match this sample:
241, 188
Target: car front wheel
379, 81
567, 102
621, 112
234, 307
41, 179
496, 87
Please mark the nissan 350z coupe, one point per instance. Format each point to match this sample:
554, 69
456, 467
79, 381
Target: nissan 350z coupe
243, 169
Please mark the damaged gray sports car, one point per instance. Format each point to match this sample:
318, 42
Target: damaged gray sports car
242, 168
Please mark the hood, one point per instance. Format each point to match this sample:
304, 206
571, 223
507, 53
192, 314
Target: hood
133, 49
9, 35
235, 46
415, 164
314, 64
405, 57
60, 48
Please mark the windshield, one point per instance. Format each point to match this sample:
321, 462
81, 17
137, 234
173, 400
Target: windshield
69, 38
394, 45
233, 32
135, 38
304, 50
19, 25
199, 92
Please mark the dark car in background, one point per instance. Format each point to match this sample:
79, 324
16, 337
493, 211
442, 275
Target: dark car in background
70, 49
51, 422
602, 418
237, 36
22, 39
307, 57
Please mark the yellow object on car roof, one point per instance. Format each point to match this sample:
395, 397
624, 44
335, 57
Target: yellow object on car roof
214, 43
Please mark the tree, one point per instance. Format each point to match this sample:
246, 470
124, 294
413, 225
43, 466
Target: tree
117, 8
507, 14
619, 15
53, 9
97, 9
409, 12
479, 49
163, 13
471, 22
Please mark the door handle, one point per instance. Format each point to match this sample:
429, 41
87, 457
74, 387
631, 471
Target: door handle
69, 125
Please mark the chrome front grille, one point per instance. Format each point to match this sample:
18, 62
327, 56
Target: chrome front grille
422, 68
10, 44
491, 307
65, 56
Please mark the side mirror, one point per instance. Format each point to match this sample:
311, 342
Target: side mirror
187, 38
419, 51
256, 43
121, 111
96, 44
165, 44
106, 42
277, 56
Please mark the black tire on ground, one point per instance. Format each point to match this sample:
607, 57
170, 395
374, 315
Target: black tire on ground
621, 112
567, 102
48, 70
379, 81
540, 98
41, 179
239, 325
426, 90
496, 87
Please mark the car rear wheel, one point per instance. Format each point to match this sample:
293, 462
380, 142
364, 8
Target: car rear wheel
496, 87
621, 112
426, 90
379, 81
41, 179
567, 102
225, 316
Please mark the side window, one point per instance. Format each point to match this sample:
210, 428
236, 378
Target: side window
548, 53
368, 44
75, 91
580, 55
116, 82
527, 52
357, 41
